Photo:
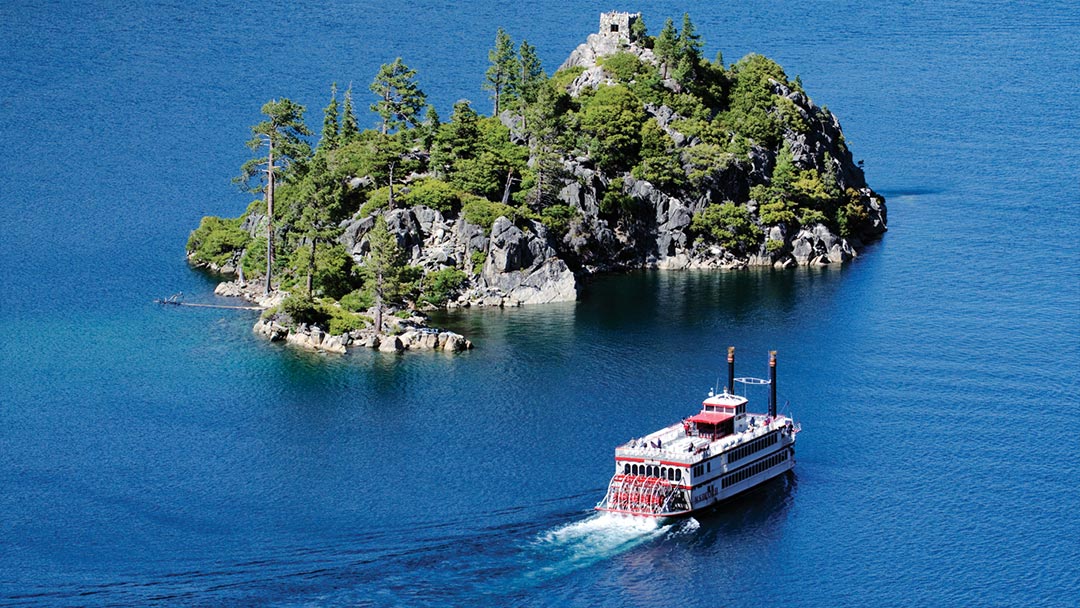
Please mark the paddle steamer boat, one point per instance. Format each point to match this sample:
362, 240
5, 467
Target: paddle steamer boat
706, 458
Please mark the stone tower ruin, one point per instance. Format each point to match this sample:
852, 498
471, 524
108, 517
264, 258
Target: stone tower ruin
616, 24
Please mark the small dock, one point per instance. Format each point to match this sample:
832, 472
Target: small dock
177, 300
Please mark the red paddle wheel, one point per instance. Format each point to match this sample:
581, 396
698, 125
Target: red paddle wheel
639, 495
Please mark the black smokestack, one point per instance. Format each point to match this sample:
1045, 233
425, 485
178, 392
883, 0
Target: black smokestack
731, 370
772, 384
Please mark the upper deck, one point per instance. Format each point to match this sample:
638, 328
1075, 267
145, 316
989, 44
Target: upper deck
679, 444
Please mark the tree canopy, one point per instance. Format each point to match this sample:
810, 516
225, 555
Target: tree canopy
400, 98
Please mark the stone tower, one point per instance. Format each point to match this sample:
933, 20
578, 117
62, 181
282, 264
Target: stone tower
617, 24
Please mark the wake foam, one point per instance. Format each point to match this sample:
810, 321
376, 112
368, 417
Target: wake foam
579, 544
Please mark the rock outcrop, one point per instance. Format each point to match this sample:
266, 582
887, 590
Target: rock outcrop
521, 266
524, 268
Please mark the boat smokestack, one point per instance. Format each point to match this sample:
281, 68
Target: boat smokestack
731, 370
772, 384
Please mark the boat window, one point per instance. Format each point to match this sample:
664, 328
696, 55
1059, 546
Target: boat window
626, 469
678, 474
635, 469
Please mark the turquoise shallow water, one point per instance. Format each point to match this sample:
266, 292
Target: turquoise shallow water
167, 456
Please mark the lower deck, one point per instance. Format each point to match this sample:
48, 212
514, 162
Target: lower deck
649, 496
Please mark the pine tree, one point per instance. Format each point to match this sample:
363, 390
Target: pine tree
688, 51
689, 43
666, 46
501, 76
384, 264
545, 126
429, 128
349, 128
400, 99
531, 75
329, 138
317, 212
638, 31
828, 177
456, 140
784, 174
282, 135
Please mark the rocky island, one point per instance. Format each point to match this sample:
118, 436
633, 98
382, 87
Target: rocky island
636, 153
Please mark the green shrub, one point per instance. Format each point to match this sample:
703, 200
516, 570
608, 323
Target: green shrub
851, 217
377, 199
433, 193
439, 286
216, 240
254, 259
342, 321
772, 246
478, 258
659, 164
357, 300
557, 218
482, 212
333, 274
611, 122
730, 224
622, 66
616, 201
751, 100
706, 160
303, 310
563, 78
809, 217
791, 116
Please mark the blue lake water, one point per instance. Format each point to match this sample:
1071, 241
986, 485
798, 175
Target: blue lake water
167, 456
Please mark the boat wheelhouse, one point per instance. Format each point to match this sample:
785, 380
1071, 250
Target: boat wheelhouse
706, 458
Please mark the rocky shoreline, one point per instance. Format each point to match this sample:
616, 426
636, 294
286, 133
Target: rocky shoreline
399, 334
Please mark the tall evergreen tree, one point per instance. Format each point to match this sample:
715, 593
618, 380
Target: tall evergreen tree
318, 210
784, 173
689, 42
282, 134
349, 127
384, 264
687, 53
329, 138
666, 46
429, 128
456, 140
502, 74
638, 31
400, 98
531, 77
545, 125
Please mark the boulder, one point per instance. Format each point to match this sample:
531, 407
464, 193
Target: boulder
453, 342
390, 344
271, 330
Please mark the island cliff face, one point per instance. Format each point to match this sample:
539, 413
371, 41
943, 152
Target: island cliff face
636, 153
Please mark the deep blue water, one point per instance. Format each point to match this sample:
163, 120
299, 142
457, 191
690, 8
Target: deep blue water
167, 456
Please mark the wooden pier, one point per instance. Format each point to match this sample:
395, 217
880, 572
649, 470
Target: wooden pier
175, 301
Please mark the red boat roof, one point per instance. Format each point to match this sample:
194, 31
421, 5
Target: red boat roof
710, 417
